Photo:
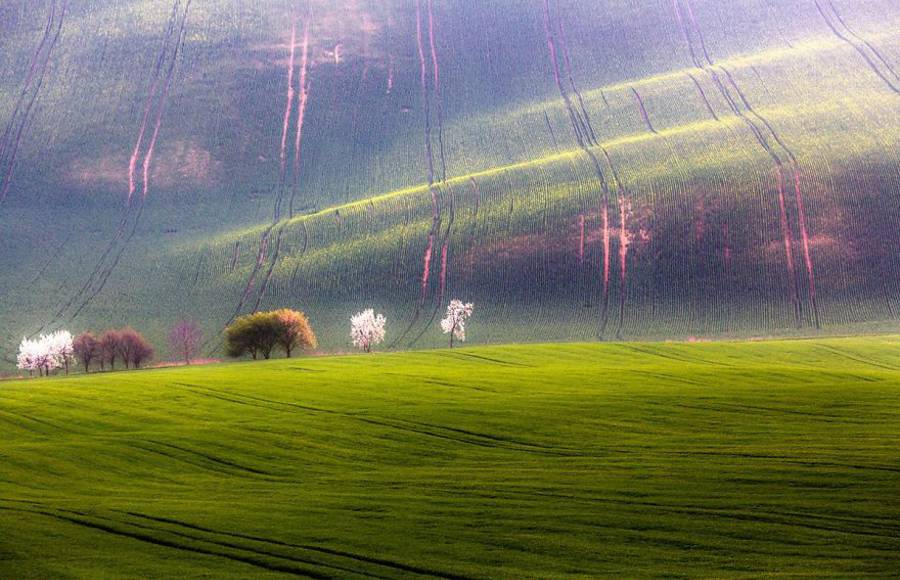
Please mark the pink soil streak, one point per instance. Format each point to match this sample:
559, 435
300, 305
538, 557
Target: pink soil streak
304, 99
788, 240
623, 242
148, 159
807, 257
148, 109
581, 238
427, 265
290, 98
604, 218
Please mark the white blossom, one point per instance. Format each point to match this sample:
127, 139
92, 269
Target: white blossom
46, 353
367, 329
36, 355
455, 322
61, 348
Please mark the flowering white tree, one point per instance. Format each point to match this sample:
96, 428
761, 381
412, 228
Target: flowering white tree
455, 323
367, 329
36, 355
46, 353
61, 348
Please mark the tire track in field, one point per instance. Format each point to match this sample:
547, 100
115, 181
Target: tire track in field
425, 429
778, 517
763, 133
353, 557
301, 93
443, 278
836, 22
433, 189
256, 559
31, 89
845, 355
155, 103
587, 141
219, 464
678, 357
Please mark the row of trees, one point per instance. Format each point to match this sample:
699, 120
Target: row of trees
49, 352
257, 335
126, 345
59, 349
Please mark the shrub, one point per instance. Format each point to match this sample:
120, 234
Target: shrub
258, 334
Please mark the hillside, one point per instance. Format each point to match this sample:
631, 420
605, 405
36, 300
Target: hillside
548, 461
602, 169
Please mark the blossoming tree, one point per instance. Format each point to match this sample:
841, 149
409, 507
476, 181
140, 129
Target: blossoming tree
367, 329
46, 353
455, 322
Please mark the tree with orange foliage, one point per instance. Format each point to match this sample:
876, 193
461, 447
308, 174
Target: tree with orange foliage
294, 331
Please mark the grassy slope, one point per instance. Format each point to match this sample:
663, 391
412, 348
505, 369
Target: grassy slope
700, 199
728, 459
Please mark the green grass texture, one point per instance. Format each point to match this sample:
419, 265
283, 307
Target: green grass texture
715, 460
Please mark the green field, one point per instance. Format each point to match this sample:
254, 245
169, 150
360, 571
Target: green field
576, 460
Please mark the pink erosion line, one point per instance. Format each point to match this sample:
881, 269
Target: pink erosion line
624, 242
148, 105
807, 256
604, 219
301, 114
435, 210
288, 107
551, 44
788, 241
161, 107
148, 158
148, 108
581, 238
426, 267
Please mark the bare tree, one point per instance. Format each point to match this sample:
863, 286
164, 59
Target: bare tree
110, 348
87, 348
184, 339
134, 348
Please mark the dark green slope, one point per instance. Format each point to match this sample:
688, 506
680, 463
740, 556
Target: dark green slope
614, 169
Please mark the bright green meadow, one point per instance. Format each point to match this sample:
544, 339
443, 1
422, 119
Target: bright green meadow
738, 460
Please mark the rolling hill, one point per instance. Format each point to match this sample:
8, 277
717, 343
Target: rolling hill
738, 460
579, 170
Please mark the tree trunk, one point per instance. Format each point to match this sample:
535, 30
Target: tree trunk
66, 360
